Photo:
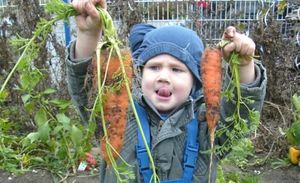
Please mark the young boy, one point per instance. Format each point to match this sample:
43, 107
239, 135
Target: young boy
170, 95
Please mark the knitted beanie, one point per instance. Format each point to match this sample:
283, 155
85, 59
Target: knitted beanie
147, 41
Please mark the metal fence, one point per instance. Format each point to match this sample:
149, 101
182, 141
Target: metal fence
208, 17
3, 3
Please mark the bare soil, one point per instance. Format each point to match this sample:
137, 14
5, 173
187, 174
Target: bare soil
267, 174
43, 176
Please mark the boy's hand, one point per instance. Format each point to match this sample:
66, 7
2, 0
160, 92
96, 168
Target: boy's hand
239, 43
88, 20
89, 26
245, 47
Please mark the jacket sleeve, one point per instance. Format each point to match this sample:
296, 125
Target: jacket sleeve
255, 91
76, 74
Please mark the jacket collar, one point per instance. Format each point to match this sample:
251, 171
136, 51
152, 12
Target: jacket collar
183, 113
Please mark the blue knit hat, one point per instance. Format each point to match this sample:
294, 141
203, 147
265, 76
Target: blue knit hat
147, 41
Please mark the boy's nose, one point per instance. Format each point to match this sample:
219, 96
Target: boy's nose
164, 76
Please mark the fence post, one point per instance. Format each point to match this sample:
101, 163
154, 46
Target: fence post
67, 29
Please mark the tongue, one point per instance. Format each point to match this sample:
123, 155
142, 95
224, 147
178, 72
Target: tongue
164, 92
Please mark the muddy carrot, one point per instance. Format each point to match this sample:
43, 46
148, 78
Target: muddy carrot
115, 101
111, 41
211, 74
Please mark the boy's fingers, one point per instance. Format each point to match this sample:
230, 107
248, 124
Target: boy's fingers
75, 4
102, 3
228, 49
88, 6
247, 45
241, 44
229, 33
248, 49
91, 10
244, 50
79, 5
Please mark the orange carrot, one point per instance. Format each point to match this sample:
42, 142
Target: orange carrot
116, 100
211, 74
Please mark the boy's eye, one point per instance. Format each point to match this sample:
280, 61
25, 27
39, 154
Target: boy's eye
154, 67
177, 69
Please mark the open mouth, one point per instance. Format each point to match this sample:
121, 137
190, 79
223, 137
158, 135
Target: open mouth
164, 92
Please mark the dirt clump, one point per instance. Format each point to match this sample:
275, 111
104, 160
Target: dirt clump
277, 54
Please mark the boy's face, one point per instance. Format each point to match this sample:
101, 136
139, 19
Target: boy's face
166, 82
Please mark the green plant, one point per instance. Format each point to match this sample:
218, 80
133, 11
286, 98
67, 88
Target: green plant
296, 103
238, 124
220, 175
235, 177
241, 153
280, 163
65, 140
238, 177
10, 157
59, 141
293, 132
53, 121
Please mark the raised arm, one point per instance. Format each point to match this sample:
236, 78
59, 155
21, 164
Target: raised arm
245, 47
88, 26
80, 52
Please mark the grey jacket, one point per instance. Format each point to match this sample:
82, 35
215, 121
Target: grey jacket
167, 140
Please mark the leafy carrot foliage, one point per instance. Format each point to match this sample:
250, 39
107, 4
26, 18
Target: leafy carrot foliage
238, 125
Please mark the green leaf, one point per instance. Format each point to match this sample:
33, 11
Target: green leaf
244, 126
44, 132
18, 41
61, 9
63, 119
3, 95
281, 6
229, 119
29, 106
57, 129
49, 91
223, 43
25, 98
62, 104
76, 135
280, 163
29, 80
40, 117
126, 171
254, 118
22, 64
37, 159
296, 102
34, 136
293, 134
